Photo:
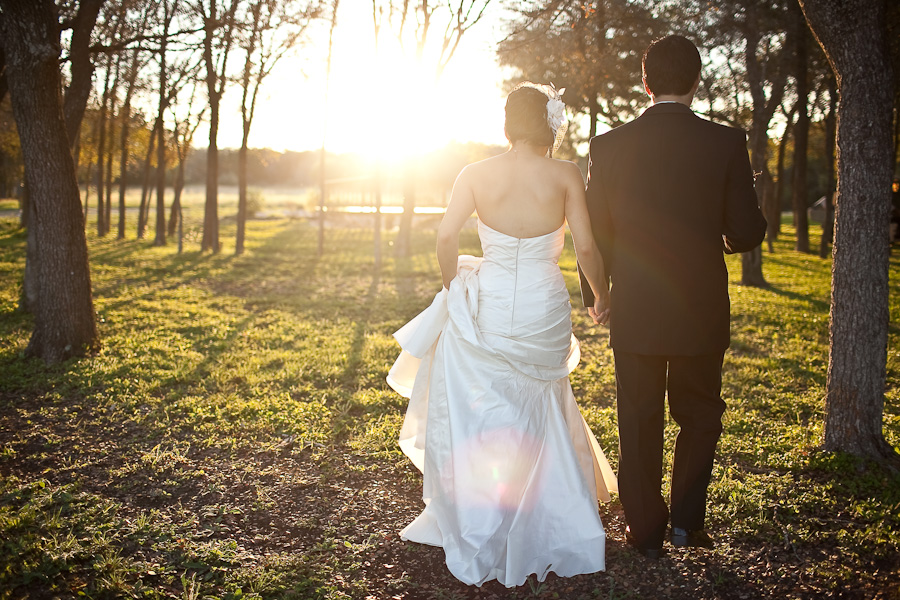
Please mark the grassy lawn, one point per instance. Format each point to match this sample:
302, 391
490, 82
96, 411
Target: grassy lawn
235, 437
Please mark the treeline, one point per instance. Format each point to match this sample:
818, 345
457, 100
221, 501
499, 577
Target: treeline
265, 167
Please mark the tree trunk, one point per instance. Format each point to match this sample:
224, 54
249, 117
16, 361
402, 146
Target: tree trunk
896, 159
751, 269
830, 134
773, 218
853, 34
79, 89
3, 83
160, 239
403, 244
87, 189
799, 185
124, 137
763, 109
751, 262
768, 201
211, 208
123, 163
110, 156
30, 288
76, 157
214, 86
64, 324
242, 195
801, 139
323, 191
377, 185
175, 215
82, 71
101, 153
143, 210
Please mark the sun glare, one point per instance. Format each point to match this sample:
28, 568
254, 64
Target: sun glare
396, 120
386, 106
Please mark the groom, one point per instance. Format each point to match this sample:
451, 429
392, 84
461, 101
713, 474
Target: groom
667, 194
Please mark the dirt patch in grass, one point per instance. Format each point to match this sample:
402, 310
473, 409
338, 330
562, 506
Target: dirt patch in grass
337, 515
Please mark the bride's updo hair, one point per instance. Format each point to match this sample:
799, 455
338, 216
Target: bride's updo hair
526, 117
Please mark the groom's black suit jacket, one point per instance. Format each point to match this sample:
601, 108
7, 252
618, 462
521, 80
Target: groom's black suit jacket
667, 194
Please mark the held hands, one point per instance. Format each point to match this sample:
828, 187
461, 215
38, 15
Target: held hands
599, 312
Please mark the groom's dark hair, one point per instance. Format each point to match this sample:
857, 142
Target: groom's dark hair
671, 66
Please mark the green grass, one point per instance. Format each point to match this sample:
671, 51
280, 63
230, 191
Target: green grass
235, 436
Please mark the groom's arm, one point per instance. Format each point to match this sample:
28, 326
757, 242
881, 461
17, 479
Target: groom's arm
600, 222
744, 226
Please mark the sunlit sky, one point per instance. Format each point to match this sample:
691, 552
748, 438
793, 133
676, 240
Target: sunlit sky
384, 105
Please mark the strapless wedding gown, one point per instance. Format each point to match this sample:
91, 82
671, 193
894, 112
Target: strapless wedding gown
512, 473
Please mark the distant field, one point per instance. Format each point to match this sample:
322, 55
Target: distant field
270, 198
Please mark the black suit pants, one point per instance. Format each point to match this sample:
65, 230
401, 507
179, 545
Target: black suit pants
694, 386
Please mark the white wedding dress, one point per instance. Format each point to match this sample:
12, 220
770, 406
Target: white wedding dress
512, 473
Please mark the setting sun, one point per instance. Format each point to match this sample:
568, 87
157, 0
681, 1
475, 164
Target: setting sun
387, 105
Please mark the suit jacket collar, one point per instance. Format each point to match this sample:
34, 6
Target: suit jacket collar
668, 108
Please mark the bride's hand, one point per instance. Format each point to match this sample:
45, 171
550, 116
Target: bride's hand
599, 312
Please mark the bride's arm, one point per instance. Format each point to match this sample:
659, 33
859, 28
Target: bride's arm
586, 251
460, 208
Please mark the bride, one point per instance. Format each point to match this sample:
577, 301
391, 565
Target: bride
512, 473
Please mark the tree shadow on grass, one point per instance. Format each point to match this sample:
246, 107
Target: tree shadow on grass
814, 302
358, 341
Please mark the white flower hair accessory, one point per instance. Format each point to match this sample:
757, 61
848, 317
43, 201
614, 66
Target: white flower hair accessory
556, 110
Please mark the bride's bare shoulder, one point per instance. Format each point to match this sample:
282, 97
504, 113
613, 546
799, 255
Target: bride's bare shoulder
567, 169
483, 168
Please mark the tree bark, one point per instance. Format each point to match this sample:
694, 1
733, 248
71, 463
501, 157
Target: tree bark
247, 108
125, 134
110, 155
82, 68
143, 208
768, 201
101, 152
175, 214
215, 86
853, 34
160, 239
774, 217
64, 322
211, 208
376, 192
801, 137
830, 183
242, 196
763, 109
28, 302
403, 243
4, 87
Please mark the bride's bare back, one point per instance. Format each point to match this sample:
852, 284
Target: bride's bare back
520, 193
523, 194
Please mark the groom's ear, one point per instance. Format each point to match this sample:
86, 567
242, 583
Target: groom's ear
696, 85
647, 87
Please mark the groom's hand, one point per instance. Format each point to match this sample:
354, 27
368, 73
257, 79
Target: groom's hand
599, 312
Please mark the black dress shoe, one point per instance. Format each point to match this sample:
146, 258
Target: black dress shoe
690, 538
650, 553
653, 552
